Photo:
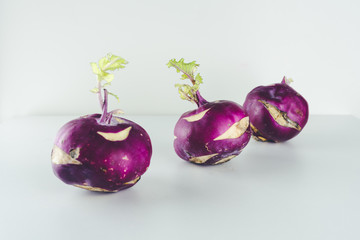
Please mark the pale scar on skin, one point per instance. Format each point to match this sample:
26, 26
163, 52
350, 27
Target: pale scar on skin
58, 156
119, 136
280, 117
132, 181
202, 159
94, 189
196, 117
236, 130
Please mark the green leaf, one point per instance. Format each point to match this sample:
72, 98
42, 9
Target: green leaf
188, 72
108, 63
95, 68
188, 69
111, 62
114, 96
95, 90
186, 92
108, 77
184, 76
106, 84
198, 79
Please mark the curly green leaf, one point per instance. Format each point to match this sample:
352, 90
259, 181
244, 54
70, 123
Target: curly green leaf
198, 79
188, 70
185, 91
101, 69
108, 63
111, 62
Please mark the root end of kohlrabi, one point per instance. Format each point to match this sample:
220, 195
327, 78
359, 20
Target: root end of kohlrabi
224, 160
94, 189
202, 159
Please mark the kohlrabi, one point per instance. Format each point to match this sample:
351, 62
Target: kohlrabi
102, 152
277, 112
213, 133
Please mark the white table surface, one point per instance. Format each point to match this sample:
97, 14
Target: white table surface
307, 188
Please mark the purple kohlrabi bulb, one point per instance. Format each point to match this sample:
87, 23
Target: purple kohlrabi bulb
213, 133
101, 157
277, 112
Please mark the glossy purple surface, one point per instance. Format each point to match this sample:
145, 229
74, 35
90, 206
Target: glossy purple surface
108, 165
287, 100
196, 139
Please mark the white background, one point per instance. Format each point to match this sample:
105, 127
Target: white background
46, 47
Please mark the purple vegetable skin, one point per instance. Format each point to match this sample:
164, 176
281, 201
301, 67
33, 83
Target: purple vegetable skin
101, 152
277, 112
213, 133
